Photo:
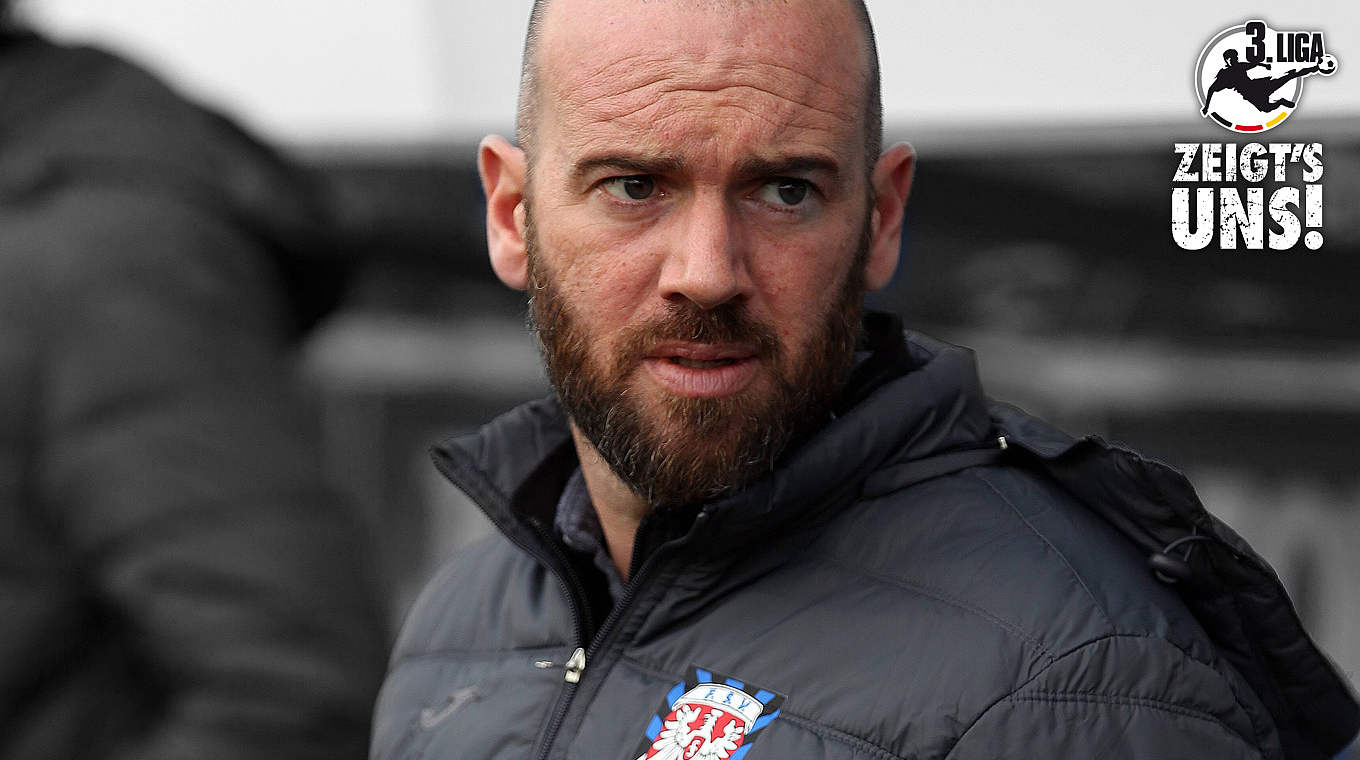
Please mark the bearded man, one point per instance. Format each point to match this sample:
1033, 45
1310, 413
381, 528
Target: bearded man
755, 522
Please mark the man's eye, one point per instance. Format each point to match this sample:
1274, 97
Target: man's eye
635, 188
785, 192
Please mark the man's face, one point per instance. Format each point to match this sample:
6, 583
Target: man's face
697, 228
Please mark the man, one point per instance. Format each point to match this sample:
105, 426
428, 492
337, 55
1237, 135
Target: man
753, 522
176, 581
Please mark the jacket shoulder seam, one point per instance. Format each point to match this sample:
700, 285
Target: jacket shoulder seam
1100, 608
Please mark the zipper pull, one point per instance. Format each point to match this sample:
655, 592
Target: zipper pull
575, 665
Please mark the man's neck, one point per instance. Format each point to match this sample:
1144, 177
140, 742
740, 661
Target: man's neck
620, 509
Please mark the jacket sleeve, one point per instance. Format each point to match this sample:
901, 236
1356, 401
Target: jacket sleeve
175, 460
1121, 698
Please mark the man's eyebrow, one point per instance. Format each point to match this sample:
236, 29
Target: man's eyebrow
788, 166
628, 164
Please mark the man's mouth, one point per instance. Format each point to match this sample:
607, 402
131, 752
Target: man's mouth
700, 363
702, 370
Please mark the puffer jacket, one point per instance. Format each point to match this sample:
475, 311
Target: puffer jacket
175, 579
930, 576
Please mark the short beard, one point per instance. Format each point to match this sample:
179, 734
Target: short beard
701, 448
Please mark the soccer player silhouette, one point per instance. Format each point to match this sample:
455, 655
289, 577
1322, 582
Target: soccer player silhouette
1233, 76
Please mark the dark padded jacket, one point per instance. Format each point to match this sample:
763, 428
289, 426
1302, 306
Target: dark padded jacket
911, 588
175, 581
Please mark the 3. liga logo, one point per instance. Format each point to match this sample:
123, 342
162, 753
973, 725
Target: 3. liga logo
1250, 77
709, 716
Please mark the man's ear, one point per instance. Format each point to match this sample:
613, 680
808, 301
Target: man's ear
892, 183
502, 167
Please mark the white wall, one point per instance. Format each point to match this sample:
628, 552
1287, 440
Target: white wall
422, 70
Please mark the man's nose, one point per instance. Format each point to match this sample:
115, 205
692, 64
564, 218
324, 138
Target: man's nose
706, 262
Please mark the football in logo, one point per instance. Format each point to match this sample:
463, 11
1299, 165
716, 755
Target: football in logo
708, 717
1250, 77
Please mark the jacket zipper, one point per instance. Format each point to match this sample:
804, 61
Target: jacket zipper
552, 557
602, 637
576, 664
557, 563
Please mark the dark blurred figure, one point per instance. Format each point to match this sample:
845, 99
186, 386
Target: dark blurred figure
174, 580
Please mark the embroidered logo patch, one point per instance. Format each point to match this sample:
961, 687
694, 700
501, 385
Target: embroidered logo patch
709, 717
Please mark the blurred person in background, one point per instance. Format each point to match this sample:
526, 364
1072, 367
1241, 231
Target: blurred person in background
175, 581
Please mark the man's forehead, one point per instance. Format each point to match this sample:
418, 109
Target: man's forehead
737, 29
631, 63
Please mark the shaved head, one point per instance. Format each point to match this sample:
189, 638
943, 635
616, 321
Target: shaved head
531, 74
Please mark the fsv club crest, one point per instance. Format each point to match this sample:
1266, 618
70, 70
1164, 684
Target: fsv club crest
709, 717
